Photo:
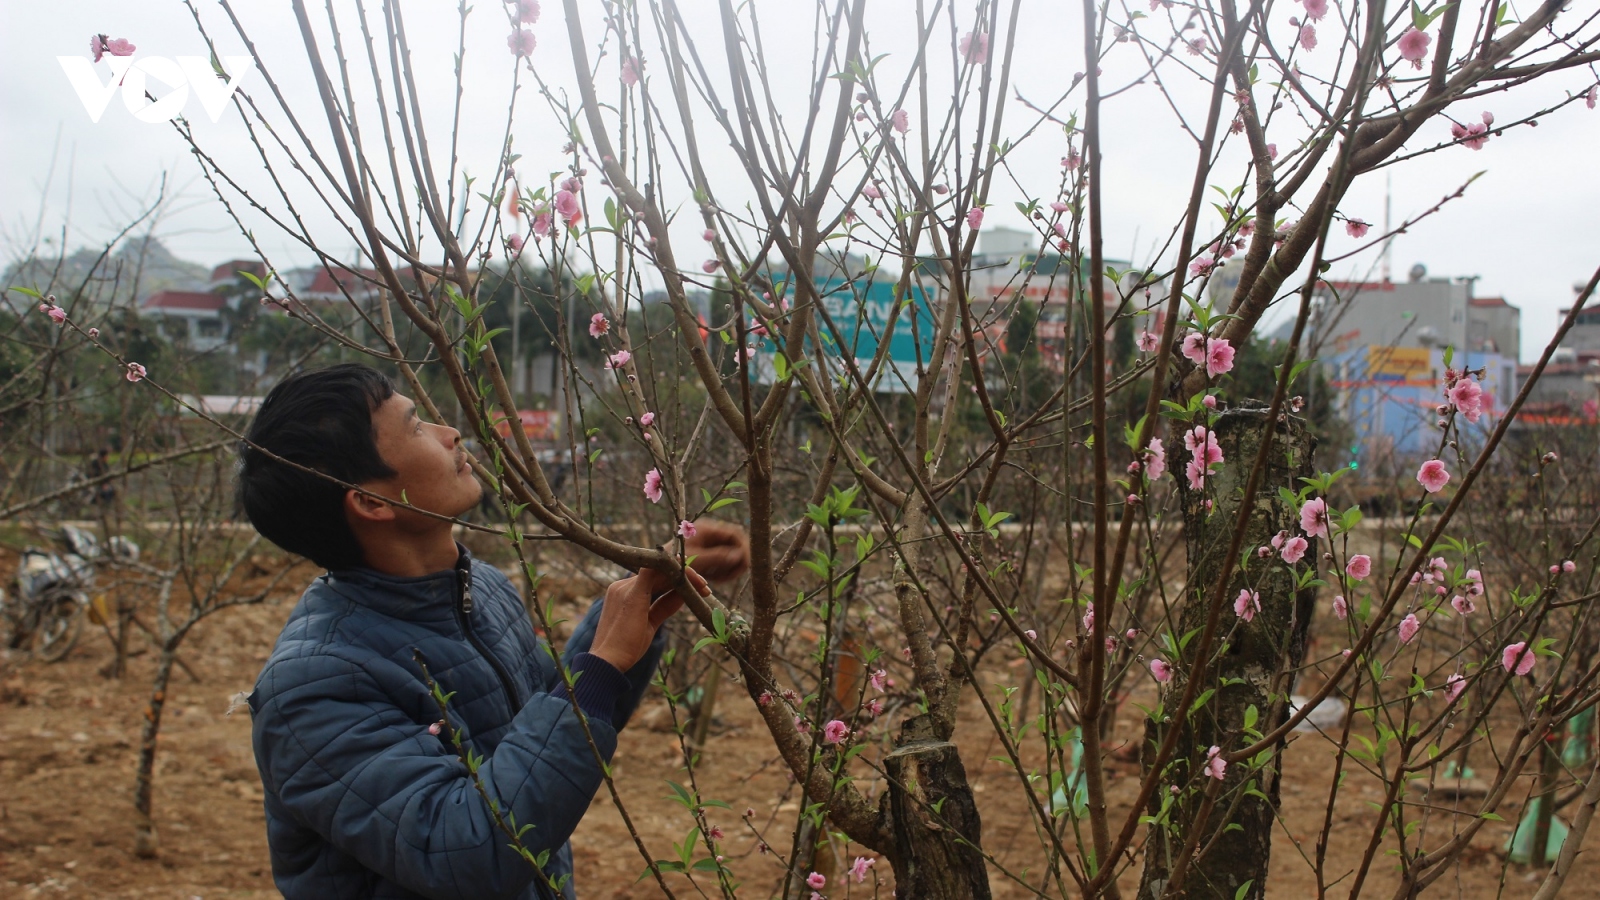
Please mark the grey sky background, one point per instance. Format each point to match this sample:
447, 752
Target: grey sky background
1529, 226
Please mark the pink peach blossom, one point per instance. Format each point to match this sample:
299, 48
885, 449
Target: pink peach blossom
1294, 549
136, 372
1467, 396
527, 11
598, 325
652, 485
1219, 357
1359, 566
1414, 46
1408, 628
619, 359
858, 869
817, 881
1314, 518
1463, 605
1146, 342
1433, 476
1341, 609
1356, 228
1247, 604
900, 121
567, 205
1155, 460
835, 732
1193, 347
975, 218
1316, 9
975, 47
1472, 135
1454, 686
877, 679
631, 67
1216, 767
1519, 656
1308, 37
686, 529
522, 42
1161, 669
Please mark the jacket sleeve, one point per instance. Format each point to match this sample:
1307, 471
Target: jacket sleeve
639, 677
336, 744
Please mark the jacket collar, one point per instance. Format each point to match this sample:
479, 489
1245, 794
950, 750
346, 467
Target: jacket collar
431, 598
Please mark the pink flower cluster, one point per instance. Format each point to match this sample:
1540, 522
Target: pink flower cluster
1203, 454
1216, 354
1473, 134
1216, 767
100, 45
1465, 394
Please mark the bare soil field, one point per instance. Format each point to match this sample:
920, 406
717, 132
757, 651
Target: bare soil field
68, 740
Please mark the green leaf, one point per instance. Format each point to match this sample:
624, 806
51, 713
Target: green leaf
251, 277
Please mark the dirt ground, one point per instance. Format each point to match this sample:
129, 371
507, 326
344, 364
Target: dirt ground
67, 755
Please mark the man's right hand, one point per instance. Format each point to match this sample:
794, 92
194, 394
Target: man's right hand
629, 619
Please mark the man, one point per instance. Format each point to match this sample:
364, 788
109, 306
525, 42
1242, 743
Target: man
365, 795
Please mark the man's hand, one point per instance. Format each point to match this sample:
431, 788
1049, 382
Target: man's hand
634, 608
719, 550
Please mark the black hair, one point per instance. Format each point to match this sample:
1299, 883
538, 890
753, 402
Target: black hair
320, 419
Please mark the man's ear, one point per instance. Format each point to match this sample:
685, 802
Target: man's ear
367, 508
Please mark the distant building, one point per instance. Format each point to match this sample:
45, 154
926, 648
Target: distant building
1568, 391
195, 317
1423, 312
1390, 397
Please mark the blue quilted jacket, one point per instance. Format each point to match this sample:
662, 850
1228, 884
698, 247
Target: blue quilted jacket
361, 801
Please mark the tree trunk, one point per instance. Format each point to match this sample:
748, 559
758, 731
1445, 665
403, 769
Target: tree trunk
146, 841
935, 854
1247, 669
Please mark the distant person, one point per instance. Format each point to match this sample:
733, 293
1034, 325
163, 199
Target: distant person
364, 796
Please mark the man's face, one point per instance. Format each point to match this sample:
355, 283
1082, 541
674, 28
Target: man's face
431, 469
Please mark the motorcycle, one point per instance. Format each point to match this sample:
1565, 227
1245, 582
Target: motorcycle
43, 610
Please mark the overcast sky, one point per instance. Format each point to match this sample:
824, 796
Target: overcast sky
1528, 227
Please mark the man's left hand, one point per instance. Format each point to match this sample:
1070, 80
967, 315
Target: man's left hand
719, 550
